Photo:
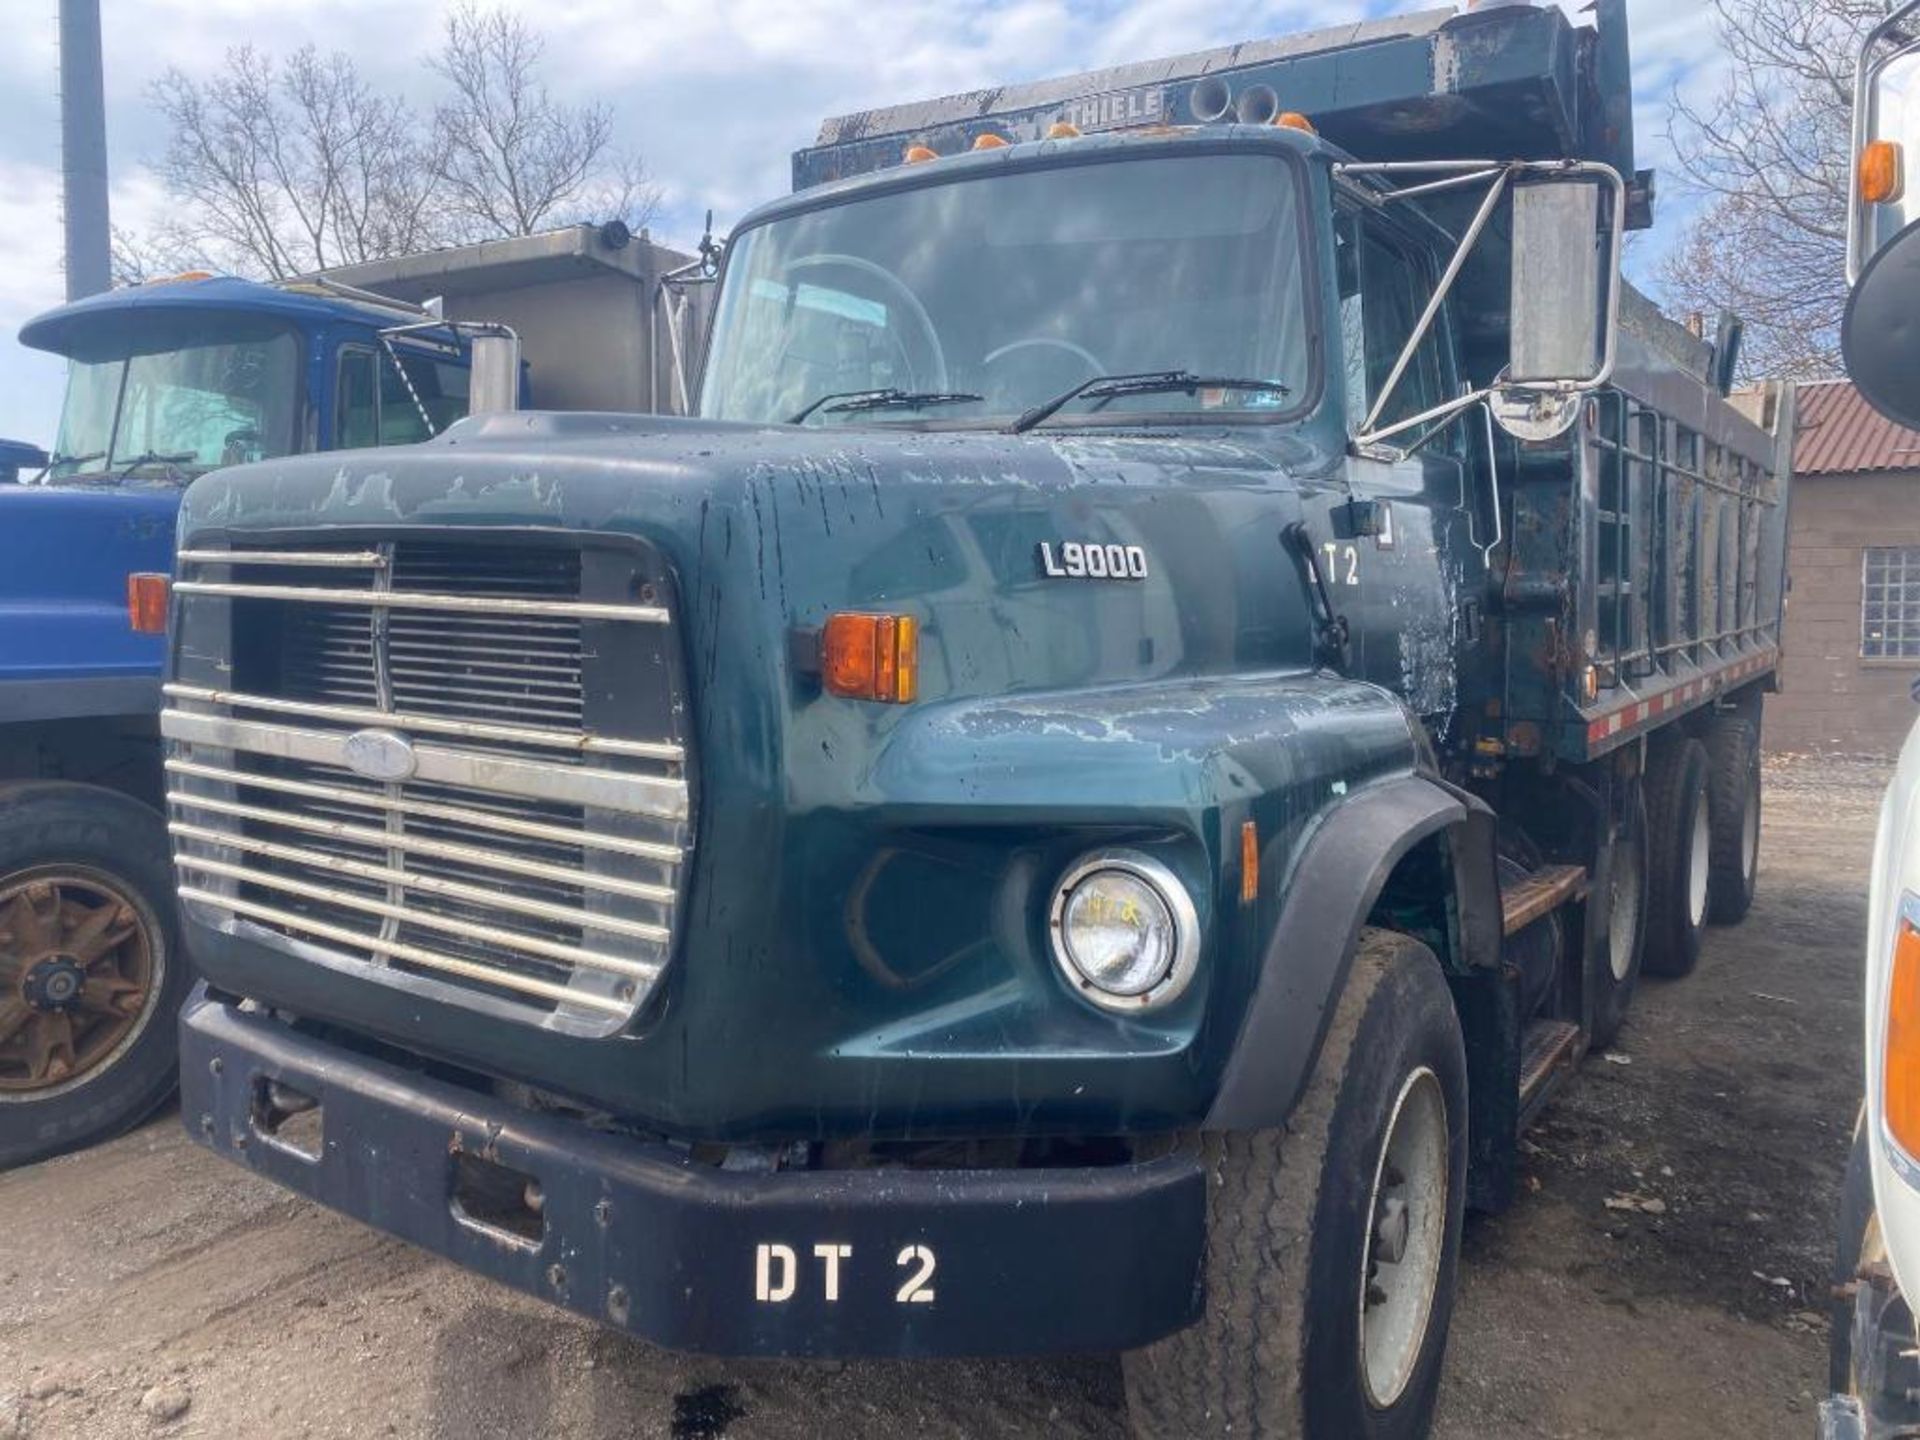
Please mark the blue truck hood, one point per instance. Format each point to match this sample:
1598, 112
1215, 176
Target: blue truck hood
67, 552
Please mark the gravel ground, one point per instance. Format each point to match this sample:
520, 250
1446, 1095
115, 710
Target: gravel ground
148, 1289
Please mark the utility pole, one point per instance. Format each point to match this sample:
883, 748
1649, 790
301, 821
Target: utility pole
83, 149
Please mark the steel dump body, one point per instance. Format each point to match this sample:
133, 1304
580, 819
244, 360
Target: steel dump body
522, 766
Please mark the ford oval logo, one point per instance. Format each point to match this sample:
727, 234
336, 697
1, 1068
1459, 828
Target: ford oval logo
380, 755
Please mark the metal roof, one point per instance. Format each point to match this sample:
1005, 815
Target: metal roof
1839, 433
58, 329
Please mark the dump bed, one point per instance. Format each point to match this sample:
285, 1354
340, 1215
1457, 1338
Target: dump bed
1512, 82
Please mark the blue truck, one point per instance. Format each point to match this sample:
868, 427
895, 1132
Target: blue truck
1197, 643
168, 381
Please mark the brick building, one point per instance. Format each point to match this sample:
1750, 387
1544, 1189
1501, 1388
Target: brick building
1853, 616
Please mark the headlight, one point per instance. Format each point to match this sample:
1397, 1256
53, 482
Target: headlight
1125, 933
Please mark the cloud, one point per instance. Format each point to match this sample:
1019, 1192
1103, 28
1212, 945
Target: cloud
716, 94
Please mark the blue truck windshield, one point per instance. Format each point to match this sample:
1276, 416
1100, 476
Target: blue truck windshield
184, 409
981, 297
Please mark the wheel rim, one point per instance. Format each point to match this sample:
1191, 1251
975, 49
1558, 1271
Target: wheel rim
1406, 1239
1750, 830
1698, 852
1623, 924
78, 977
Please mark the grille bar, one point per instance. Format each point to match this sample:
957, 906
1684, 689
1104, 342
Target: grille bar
430, 884
412, 954
431, 724
420, 600
443, 849
467, 929
305, 559
457, 814
528, 858
609, 789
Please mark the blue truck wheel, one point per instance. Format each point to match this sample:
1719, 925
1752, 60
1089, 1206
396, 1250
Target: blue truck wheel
91, 975
1332, 1244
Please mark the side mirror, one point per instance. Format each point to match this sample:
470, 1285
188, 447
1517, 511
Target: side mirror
493, 386
1559, 288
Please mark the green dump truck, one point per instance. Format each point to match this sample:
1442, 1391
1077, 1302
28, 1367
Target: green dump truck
1198, 642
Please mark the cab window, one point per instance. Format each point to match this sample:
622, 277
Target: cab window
375, 405
1385, 284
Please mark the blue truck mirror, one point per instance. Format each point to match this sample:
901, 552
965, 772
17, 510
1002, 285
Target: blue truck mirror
494, 388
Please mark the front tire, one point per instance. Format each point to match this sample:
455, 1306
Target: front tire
1332, 1244
91, 974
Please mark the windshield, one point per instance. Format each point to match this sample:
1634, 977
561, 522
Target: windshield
211, 397
984, 296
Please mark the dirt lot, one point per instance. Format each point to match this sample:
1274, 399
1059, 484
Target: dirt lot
147, 1276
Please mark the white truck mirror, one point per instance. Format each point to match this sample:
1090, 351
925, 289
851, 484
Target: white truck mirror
494, 383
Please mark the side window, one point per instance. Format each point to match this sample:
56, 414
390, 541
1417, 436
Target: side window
356, 413
1384, 286
439, 387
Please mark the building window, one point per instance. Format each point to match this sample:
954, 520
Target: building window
1890, 603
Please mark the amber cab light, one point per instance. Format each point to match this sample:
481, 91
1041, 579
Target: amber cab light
1294, 120
147, 603
989, 141
919, 155
1882, 173
871, 657
1900, 1096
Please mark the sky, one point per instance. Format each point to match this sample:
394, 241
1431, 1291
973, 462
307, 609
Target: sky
714, 94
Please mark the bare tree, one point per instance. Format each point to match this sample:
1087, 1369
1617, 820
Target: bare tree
1767, 155
286, 168
513, 159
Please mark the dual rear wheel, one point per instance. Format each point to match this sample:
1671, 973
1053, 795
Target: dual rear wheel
1703, 812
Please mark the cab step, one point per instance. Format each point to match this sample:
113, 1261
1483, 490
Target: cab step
1549, 1049
1541, 893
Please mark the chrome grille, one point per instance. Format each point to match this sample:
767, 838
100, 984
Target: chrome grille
531, 861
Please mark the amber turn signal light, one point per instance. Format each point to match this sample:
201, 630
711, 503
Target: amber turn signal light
147, 603
1900, 1093
1882, 177
871, 657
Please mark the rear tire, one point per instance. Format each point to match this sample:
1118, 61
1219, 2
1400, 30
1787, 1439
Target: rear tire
1679, 849
91, 973
1310, 1332
1733, 809
1616, 970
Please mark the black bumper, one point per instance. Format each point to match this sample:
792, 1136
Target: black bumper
632, 1233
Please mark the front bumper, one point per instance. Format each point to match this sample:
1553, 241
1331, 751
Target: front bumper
635, 1234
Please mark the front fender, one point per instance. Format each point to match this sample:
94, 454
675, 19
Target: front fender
1341, 869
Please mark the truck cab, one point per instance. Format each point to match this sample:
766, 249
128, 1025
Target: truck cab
166, 382
1158, 707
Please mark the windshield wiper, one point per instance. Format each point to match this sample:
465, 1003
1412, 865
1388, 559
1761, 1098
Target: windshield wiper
152, 457
57, 459
1151, 382
888, 399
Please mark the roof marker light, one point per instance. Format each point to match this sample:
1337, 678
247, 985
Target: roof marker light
989, 141
1294, 120
919, 155
1063, 130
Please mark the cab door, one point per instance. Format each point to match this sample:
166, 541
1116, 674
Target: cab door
1391, 557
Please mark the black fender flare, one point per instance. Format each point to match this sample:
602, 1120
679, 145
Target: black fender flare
1304, 965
